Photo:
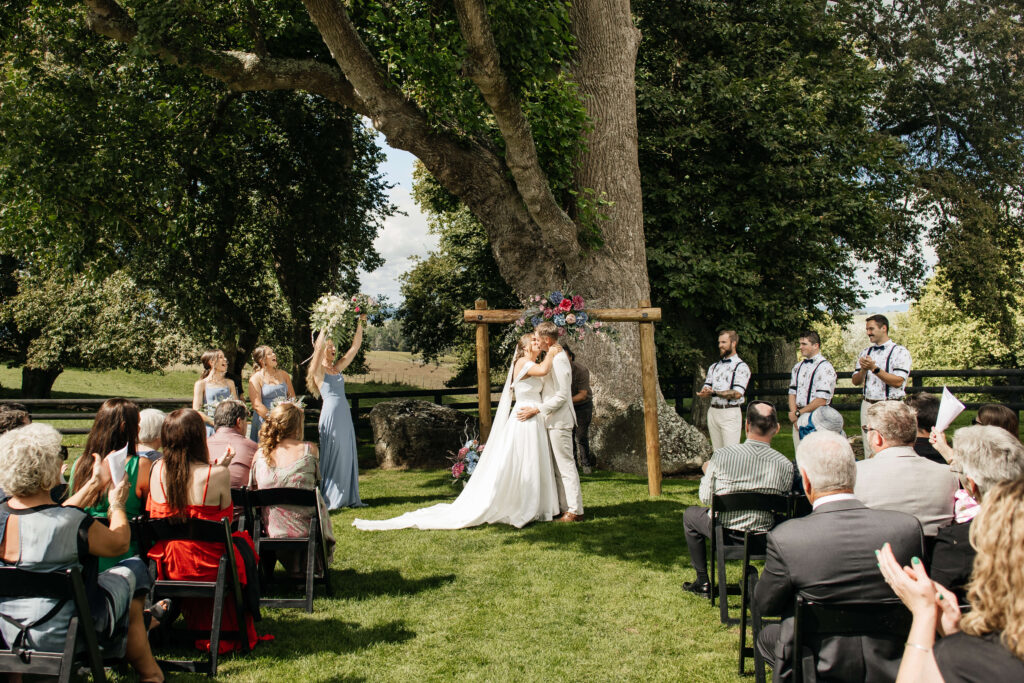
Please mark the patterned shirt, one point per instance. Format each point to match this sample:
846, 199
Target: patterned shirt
752, 466
728, 374
891, 358
812, 378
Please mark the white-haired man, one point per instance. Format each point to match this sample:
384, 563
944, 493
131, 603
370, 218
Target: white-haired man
897, 478
829, 556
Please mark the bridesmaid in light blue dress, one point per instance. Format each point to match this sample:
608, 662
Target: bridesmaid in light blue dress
267, 384
339, 464
212, 386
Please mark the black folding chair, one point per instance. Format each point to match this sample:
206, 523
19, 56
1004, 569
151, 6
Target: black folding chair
241, 512
66, 586
227, 582
810, 619
313, 544
746, 545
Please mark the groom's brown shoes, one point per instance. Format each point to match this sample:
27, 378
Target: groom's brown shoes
570, 517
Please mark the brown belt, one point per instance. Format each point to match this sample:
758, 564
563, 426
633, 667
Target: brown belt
876, 400
723, 407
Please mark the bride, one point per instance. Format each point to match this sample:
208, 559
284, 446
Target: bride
514, 482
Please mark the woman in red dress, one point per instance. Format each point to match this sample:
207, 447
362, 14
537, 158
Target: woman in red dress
185, 484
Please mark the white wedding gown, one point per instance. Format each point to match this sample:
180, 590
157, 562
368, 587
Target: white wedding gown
514, 482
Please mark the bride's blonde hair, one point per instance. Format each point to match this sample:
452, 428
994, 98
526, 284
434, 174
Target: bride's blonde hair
522, 346
315, 374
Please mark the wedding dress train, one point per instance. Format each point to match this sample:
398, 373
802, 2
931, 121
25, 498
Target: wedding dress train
514, 482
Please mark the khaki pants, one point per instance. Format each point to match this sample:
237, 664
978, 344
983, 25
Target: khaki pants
725, 426
570, 498
800, 422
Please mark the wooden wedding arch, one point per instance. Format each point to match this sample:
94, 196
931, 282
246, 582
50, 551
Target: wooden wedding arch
643, 315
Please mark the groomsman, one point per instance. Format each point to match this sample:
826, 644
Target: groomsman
726, 383
883, 368
811, 385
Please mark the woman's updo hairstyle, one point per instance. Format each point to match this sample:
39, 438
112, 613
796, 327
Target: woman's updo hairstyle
208, 358
523, 346
259, 354
283, 422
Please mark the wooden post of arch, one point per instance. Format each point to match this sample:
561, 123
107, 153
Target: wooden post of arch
644, 315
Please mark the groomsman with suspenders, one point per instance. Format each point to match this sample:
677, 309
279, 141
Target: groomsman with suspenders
726, 383
883, 368
811, 385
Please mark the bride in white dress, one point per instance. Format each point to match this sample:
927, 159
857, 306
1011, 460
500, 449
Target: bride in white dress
514, 482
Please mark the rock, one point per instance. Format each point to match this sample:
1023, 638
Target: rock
418, 434
683, 447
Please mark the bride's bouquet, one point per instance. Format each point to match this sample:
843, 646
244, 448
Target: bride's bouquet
466, 461
565, 309
336, 315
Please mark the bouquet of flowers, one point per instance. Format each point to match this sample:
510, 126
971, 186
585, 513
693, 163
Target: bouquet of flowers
210, 409
300, 401
466, 461
565, 309
336, 315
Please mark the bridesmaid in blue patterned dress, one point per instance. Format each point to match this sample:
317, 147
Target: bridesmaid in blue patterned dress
267, 384
212, 386
339, 464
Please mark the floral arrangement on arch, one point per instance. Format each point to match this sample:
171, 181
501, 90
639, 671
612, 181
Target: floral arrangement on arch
336, 315
466, 461
565, 309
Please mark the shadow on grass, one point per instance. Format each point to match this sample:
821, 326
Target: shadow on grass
306, 636
350, 584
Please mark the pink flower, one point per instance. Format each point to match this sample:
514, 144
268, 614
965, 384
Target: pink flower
520, 322
577, 303
357, 309
458, 468
463, 451
548, 313
561, 331
570, 319
480, 449
565, 305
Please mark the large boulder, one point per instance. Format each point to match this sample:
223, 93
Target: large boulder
683, 447
418, 434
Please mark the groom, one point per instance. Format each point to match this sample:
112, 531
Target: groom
559, 418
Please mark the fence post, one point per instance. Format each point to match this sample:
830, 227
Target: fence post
438, 398
355, 412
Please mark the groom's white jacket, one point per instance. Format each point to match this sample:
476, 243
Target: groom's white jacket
556, 406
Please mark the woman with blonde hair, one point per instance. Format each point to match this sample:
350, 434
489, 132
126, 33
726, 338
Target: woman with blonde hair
339, 462
284, 460
987, 644
213, 386
268, 384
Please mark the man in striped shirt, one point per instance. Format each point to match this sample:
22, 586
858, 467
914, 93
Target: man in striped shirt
753, 466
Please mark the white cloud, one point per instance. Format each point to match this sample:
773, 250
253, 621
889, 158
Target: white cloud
401, 238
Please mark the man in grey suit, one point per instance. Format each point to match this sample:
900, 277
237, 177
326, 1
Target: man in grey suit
897, 478
829, 557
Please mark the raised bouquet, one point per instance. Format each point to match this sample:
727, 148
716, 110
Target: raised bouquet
466, 461
565, 309
336, 315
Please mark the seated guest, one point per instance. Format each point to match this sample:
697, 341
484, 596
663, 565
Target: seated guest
285, 461
989, 415
42, 537
984, 457
829, 557
897, 478
185, 484
12, 416
987, 643
926, 410
752, 466
229, 423
113, 436
151, 421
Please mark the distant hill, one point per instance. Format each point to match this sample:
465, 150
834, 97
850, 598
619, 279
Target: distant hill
894, 308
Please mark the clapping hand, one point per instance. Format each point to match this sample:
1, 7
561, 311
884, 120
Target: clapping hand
228, 456
938, 441
119, 495
867, 363
922, 596
100, 475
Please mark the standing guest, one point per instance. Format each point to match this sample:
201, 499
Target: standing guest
883, 368
983, 457
726, 383
926, 409
115, 432
987, 644
229, 426
828, 557
268, 383
339, 462
187, 485
212, 387
811, 386
151, 421
751, 466
897, 478
38, 536
583, 404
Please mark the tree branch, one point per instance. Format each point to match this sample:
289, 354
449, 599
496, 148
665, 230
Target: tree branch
520, 152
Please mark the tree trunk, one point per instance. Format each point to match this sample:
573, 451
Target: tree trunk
38, 382
776, 355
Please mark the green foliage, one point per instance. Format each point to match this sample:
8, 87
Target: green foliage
387, 337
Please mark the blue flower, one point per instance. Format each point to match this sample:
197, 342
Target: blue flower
559, 320
470, 466
468, 444
581, 318
556, 297
536, 320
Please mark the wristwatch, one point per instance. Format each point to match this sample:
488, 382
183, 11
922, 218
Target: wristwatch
797, 411
877, 370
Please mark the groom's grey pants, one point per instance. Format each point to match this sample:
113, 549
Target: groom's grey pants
569, 496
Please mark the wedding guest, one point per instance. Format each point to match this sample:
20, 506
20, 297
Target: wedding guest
42, 537
725, 385
12, 416
151, 421
268, 384
986, 644
229, 426
926, 410
811, 387
186, 484
339, 462
213, 386
983, 457
990, 414
115, 431
284, 460
583, 404
882, 368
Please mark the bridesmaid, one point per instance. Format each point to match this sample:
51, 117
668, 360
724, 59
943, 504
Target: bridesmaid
212, 385
339, 465
267, 384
